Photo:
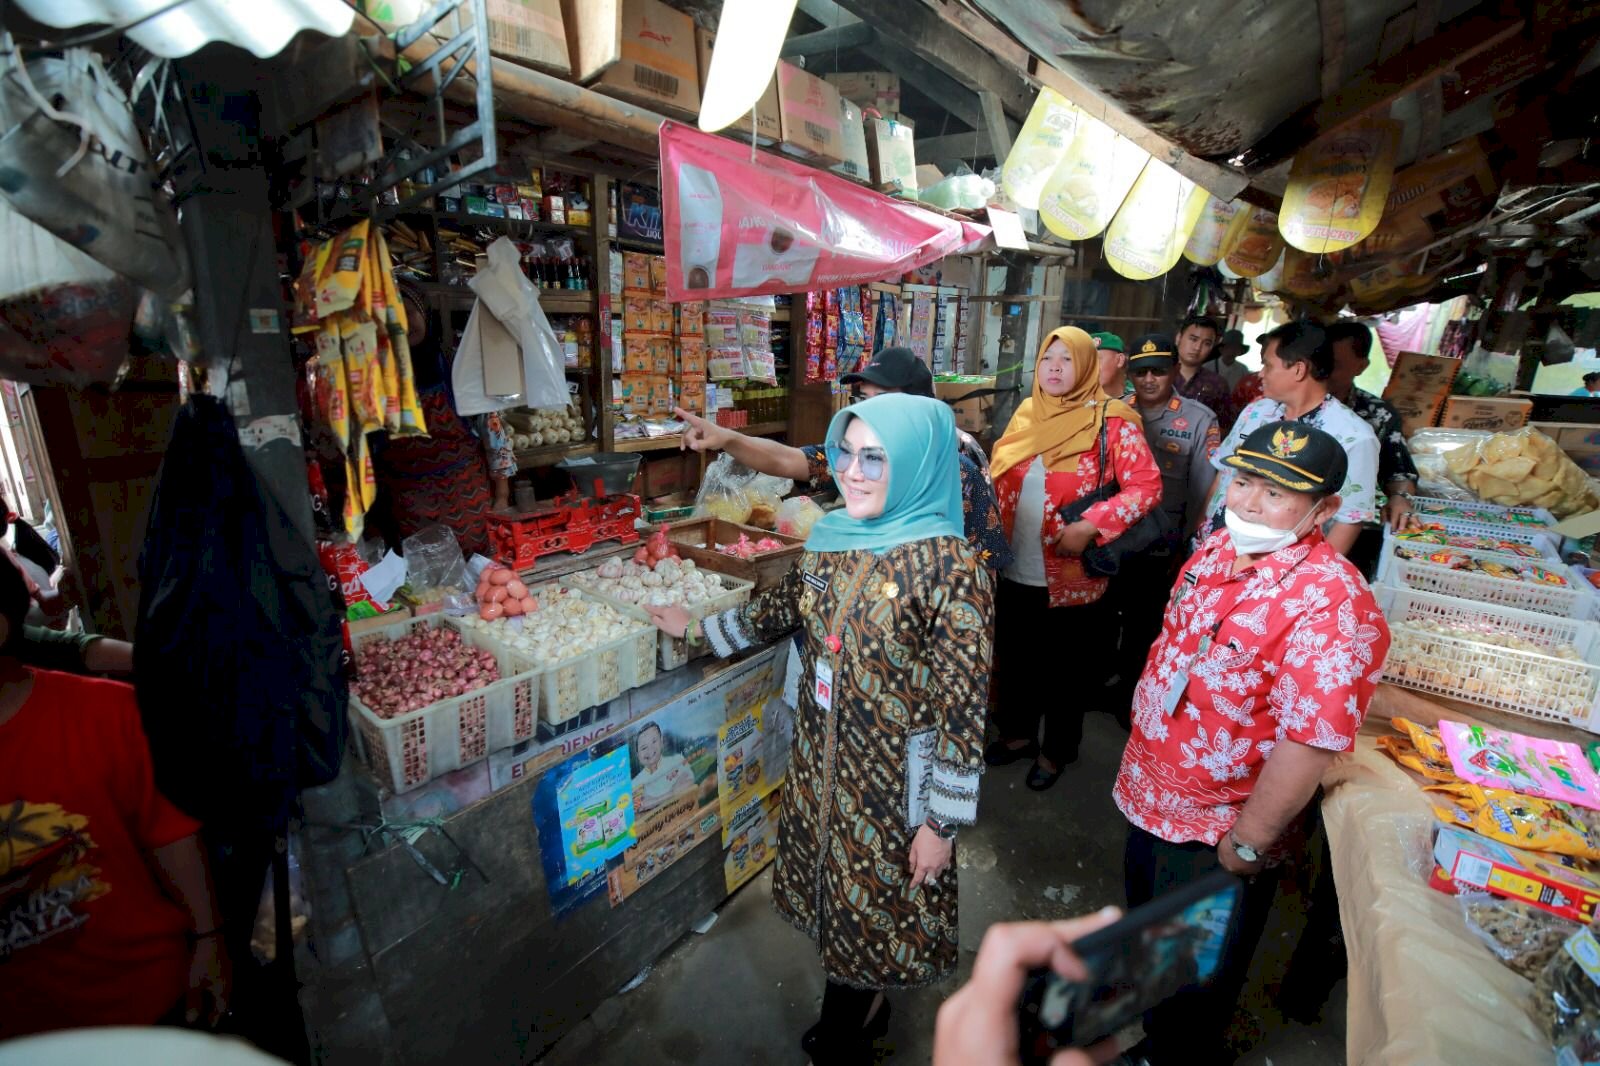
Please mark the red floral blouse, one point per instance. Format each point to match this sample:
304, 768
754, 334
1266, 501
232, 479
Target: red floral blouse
1138, 480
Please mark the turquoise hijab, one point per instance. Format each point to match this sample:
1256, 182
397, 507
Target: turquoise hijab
924, 498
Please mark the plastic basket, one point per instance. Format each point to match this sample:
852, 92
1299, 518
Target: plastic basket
674, 651
1528, 683
1547, 540
568, 687
1567, 601
1546, 558
1494, 515
412, 749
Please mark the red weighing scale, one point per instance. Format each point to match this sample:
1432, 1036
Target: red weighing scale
570, 523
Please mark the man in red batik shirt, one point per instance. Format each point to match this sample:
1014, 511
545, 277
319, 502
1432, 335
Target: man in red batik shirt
107, 914
1270, 649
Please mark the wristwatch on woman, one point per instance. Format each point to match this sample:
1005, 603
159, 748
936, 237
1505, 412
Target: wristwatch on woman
1243, 850
943, 829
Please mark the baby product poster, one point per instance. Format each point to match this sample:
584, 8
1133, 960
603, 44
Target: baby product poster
752, 839
752, 757
734, 225
583, 813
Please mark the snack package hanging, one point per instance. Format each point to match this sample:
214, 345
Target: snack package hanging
1526, 822
1253, 244
1091, 181
1305, 276
360, 340
303, 317
394, 321
1204, 246
344, 270
332, 384
361, 488
1154, 223
1338, 186
1272, 280
1039, 147
372, 306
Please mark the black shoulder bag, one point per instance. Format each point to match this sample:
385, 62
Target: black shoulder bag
1154, 529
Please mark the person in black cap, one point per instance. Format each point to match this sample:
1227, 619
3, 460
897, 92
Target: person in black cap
890, 370
1268, 658
1230, 346
1183, 436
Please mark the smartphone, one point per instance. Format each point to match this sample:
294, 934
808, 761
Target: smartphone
1168, 945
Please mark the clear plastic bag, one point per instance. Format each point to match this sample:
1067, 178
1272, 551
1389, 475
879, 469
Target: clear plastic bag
1566, 998
797, 515
436, 571
1520, 935
735, 493
1520, 468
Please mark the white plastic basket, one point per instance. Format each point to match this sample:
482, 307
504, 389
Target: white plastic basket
568, 687
1563, 601
1494, 515
1546, 540
1460, 666
674, 651
1546, 558
413, 748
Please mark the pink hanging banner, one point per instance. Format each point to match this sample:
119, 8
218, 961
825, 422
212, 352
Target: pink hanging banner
737, 226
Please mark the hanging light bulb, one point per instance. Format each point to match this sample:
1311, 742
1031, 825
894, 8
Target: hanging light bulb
749, 37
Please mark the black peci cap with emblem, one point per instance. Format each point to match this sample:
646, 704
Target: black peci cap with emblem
1299, 457
1152, 350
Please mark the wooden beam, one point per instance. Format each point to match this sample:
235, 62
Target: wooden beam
920, 31
1330, 13
967, 146
827, 12
994, 123
1225, 182
835, 39
1380, 87
947, 92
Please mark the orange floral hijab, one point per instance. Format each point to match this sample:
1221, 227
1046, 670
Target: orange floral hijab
1060, 428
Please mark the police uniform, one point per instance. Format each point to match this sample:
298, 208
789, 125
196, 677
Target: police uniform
1183, 436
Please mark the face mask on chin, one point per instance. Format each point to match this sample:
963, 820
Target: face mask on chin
1254, 538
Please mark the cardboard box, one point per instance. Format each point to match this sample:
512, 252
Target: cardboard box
662, 358
660, 394
1512, 873
691, 320
636, 356
877, 89
669, 473
530, 32
661, 316
891, 156
658, 275
853, 139
767, 121
972, 415
1418, 388
637, 316
809, 116
636, 273
643, 53
691, 359
1493, 413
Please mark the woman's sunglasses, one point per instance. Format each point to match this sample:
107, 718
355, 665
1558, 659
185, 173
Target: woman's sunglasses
873, 460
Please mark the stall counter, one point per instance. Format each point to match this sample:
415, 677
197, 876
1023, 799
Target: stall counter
1422, 988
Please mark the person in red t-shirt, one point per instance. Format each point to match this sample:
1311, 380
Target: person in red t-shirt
1270, 650
107, 913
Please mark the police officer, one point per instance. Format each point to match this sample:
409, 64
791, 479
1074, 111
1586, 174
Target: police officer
1183, 435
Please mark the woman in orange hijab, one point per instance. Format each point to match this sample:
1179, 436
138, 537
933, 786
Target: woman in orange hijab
1047, 606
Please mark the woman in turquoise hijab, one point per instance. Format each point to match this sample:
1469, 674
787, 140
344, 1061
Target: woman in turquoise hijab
894, 612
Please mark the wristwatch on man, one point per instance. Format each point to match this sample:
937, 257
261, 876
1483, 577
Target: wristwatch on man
1243, 850
944, 829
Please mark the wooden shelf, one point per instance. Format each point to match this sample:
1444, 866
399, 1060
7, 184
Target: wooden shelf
765, 429
553, 301
637, 244
559, 229
530, 457
649, 444
780, 314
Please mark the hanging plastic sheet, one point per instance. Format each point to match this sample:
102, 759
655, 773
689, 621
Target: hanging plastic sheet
737, 226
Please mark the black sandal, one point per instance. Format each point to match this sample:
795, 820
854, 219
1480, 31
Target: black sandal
1040, 779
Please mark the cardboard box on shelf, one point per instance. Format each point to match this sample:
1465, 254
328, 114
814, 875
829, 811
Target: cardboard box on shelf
853, 139
662, 359
660, 394
672, 472
891, 155
691, 359
637, 316
877, 89
635, 273
972, 415
809, 115
643, 53
661, 316
1494, 413
1418, 388
636, 355
767, 119
531, 32
658, 275
691, 321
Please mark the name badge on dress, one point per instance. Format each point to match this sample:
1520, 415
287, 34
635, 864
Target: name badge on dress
823, 689
1180, 680
814, 581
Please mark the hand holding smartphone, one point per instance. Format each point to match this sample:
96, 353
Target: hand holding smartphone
1170, 944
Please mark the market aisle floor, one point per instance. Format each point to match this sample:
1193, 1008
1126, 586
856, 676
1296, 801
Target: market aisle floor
743, 992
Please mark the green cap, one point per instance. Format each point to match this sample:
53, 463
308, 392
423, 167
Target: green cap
1107, 341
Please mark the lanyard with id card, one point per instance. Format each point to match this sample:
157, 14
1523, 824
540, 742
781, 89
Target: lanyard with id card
822, 665
1179, 682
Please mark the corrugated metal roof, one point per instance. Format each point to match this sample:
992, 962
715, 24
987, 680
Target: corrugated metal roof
261, 27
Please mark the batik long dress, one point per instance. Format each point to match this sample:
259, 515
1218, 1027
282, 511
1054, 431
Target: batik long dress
899, 737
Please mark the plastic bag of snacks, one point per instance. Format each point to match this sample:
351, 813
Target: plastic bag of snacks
733, 492
796, 516
1523, 937
1420, 750
1522, 468
1521, 821
1566, 997
436, 572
